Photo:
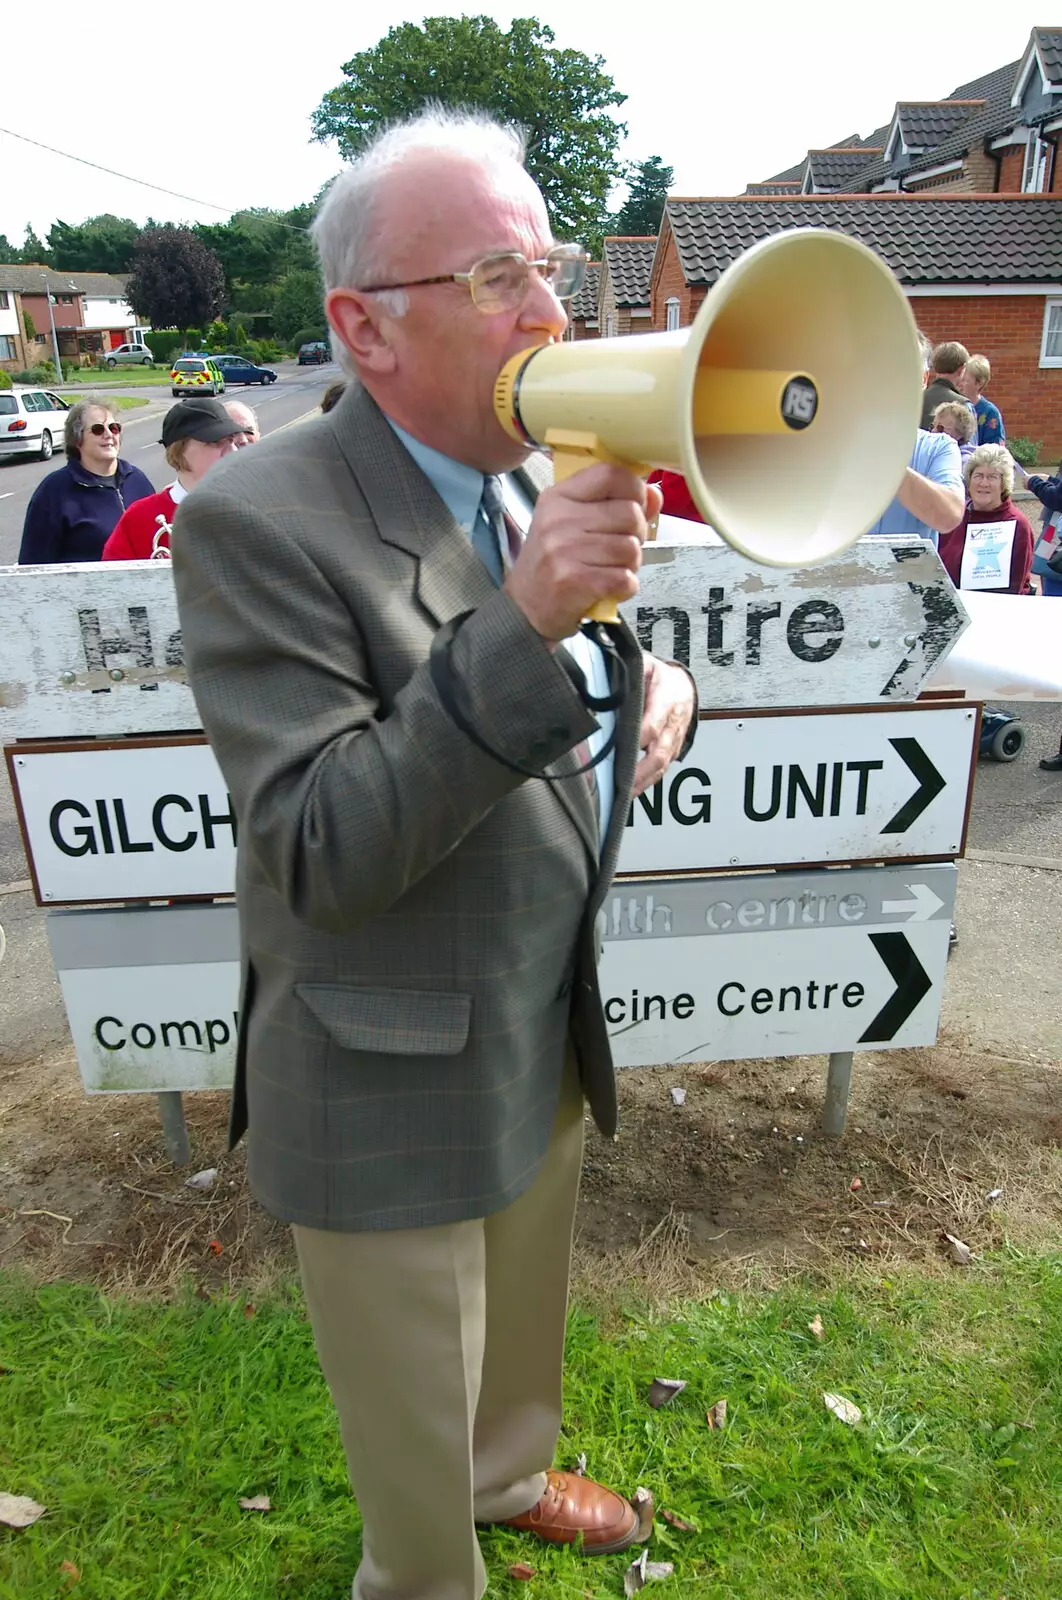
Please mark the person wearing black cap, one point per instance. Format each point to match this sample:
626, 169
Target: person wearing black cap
196, 432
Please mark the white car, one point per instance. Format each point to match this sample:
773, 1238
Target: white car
31, 422
137, 355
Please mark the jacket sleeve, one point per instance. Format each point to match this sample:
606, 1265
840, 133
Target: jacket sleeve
43, 528
119, 546
1048, 491
345, 805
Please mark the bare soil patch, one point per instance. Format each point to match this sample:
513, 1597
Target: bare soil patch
734, 1184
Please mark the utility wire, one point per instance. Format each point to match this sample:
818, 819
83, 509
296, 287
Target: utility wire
144, 184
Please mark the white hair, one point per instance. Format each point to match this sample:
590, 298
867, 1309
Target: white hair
344, 231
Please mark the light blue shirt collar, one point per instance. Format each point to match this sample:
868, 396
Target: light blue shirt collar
460, 488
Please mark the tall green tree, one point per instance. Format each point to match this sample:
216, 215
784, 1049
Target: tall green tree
34, 249
561, 98
648, 183
176, 281
256, 249
9, 253
299, 302
99, 244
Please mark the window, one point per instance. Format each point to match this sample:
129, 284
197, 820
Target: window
65, 299
672, 314
7, 348
5, 303
1035, 167
1051, 344
610, 326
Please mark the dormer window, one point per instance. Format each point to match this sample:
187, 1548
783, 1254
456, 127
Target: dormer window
1034, 172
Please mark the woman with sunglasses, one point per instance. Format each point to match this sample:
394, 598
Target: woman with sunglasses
74, 511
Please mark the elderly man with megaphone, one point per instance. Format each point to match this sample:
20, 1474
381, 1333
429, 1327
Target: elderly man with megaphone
432, 756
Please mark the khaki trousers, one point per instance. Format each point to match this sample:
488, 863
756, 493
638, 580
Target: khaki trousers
443, 1350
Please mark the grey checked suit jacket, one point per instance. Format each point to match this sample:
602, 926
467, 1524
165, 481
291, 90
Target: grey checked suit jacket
416, 920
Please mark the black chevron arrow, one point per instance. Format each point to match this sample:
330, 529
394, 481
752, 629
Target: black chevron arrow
930, 783
912, 985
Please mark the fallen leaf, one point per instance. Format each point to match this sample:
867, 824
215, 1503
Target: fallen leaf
68, 1569
521, 1570
202, 1180
678, 1097
249, 1310
216, 1246
958, 1252
717, 1415
678, 1522
842, 1409
993, 1194
256, 1502
656, 1570
855, 1185
644, 1505
815, 1327
663, 1390
634, 1577
19, 1511
580, 1465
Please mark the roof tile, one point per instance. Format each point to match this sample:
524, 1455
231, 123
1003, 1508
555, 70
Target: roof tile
924, 240
630, 262
584, 304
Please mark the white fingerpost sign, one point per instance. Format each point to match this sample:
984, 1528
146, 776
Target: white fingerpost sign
151, 994
143, 819
781, 965
765, 789
867, 625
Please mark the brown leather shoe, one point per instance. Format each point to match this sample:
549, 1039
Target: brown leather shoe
574, 1507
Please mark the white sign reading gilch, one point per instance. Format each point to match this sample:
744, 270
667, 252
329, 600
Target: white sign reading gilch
139, 820
766, 790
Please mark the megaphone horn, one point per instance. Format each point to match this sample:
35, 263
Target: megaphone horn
790, 406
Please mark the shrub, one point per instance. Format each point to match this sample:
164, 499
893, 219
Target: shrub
36, 374
308, 336
165, 344
5, 379
1027, 451
238, 333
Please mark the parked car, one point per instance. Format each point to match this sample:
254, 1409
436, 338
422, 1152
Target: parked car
196, 375
314, 354
237, 370
126, 355
31, 422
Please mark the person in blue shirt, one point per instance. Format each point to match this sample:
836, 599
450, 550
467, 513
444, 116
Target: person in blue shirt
931, 496
74, 511
973, 382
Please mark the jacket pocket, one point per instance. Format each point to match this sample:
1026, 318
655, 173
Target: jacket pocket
405, 1022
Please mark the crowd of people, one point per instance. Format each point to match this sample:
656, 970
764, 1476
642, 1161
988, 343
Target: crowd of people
97, 506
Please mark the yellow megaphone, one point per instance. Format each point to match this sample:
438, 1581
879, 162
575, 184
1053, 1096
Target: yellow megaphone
790, 406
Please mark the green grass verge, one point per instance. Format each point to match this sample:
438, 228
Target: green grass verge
139, 1426
128, 377
120, 402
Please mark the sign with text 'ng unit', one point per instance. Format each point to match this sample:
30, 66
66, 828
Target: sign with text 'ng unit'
133, 820
773, 789
790, 963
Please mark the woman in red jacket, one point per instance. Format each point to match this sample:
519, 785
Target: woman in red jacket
1008, 545
196, 432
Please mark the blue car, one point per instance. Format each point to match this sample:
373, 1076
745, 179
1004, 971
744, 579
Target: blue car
237, 370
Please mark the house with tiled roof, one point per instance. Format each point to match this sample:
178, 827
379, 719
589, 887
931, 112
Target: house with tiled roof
623, 287
582, 308
986, 270
89, 309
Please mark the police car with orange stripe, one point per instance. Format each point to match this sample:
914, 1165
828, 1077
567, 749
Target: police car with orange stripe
196, 375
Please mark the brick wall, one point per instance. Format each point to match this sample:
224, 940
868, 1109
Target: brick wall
1011, 166
668, 282
1008, 330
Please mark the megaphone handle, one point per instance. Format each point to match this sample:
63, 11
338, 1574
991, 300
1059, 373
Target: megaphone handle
572, 451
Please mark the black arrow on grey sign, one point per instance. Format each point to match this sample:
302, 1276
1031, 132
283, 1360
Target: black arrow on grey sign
912, 985
930, 783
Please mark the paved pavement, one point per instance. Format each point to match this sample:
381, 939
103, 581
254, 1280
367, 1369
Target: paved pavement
296, 391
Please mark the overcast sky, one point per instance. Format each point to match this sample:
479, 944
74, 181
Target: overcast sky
221, 113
